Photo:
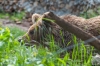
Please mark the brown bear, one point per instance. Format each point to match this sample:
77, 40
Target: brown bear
46, 32
91, 25
40, 29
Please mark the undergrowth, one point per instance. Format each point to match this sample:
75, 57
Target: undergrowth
90, 13
12, 53
13, 16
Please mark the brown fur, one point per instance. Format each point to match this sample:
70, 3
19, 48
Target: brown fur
40, 29
35, 17
91, 25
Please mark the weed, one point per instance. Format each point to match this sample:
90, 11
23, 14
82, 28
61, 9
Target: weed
14, 16
12, 53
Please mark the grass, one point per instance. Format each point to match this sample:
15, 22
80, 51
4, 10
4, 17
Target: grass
91, 13
13, 16
16, 31
12, 53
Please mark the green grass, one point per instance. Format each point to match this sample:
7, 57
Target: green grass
16, 31
12, 53
90, 13
13, 16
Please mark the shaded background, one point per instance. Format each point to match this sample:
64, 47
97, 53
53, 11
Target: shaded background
59, 7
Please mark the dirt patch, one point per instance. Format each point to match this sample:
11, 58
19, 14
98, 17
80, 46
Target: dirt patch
24, 24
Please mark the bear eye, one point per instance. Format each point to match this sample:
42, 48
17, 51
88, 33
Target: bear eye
31, 32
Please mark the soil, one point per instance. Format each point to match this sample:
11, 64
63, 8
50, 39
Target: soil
24, 24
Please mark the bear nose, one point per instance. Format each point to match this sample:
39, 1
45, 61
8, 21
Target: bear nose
19, 39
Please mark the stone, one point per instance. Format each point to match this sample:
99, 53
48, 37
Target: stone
32, 6
96, 60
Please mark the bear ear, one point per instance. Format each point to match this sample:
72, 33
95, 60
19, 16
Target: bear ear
35, 17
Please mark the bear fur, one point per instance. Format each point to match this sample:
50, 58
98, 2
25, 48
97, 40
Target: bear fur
91, 25
46, 31
40, 30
